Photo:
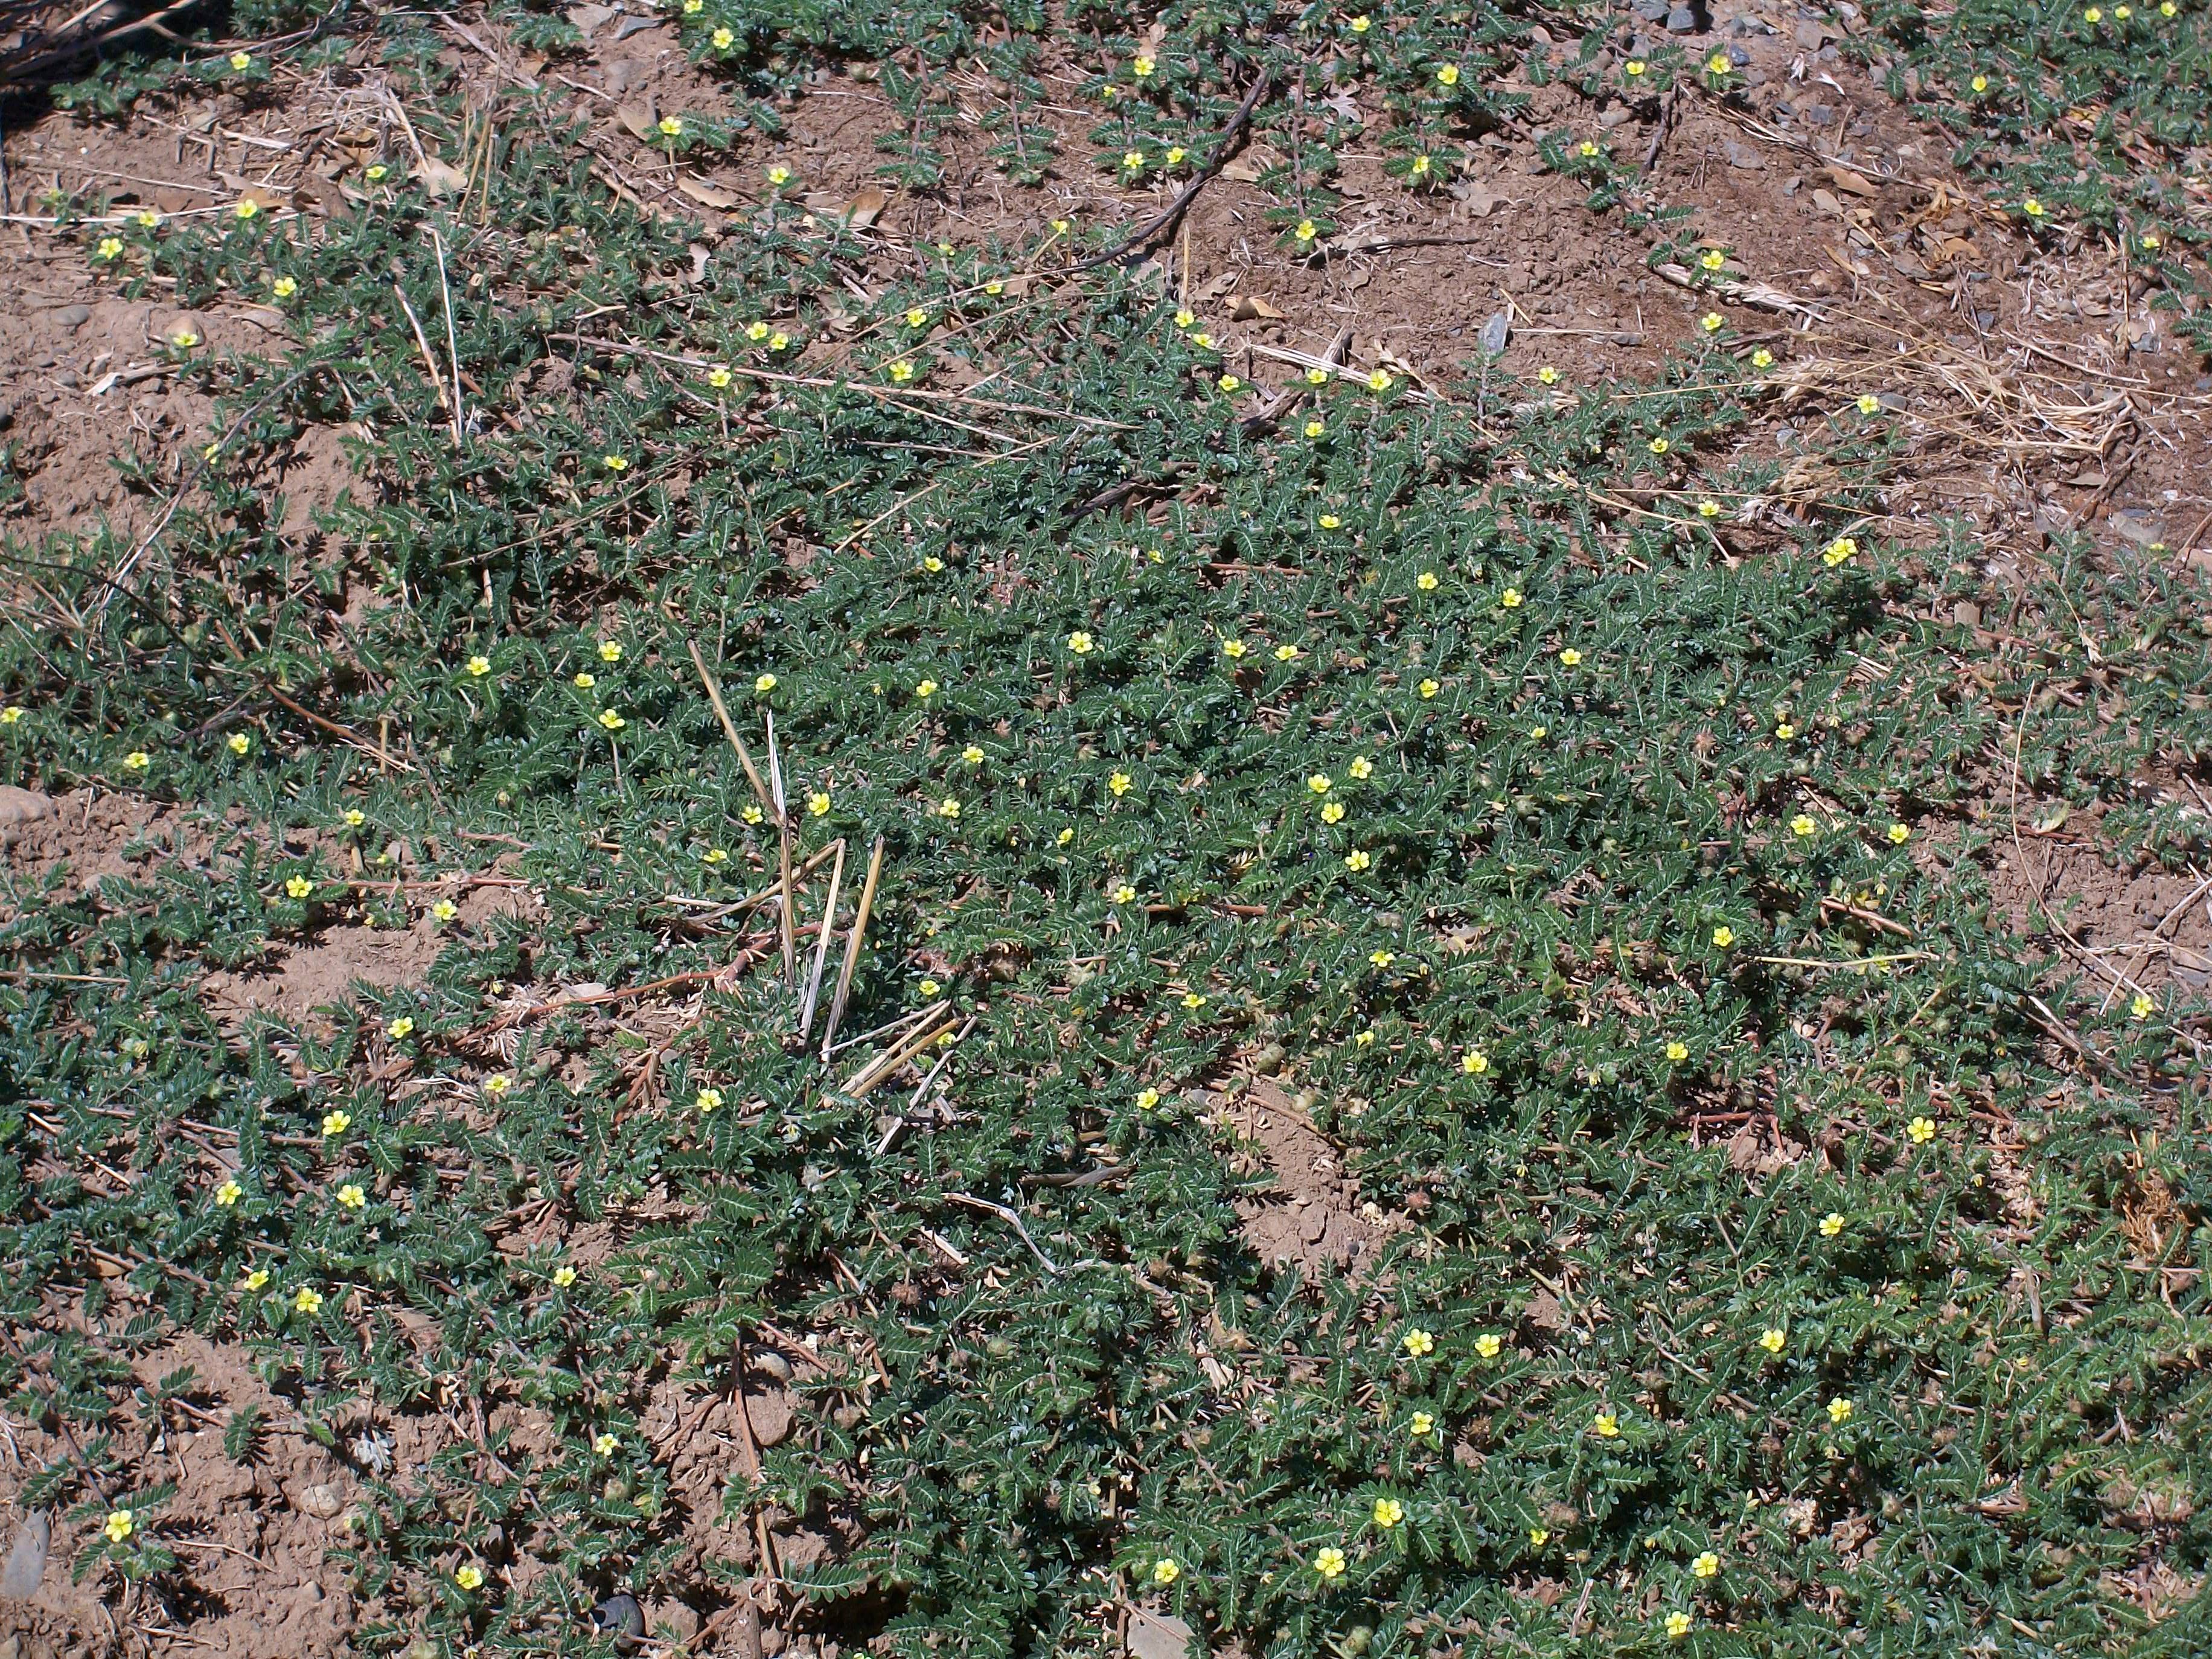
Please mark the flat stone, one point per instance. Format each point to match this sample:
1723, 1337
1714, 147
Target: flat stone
2135, 524
19, 806
27, 1557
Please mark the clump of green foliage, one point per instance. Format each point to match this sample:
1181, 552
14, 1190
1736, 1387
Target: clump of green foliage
1589, 839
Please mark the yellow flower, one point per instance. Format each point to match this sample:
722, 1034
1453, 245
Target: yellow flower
1548, 375
1830, 1224
1921, 1129
1332, 811
818, 803
229, 1194
298, 887
147, 218
564, 1276
445, 909
1378, 381
604, 1445
1193, 999
1147, 1098
497, 1085
111, 247
1540, 1536
1388, 1512
137, 760
1133, 159
1319, 783
1428, 688
723, 40
1328, 521
336, 1123
1119, 783
477, 666
1488, 1343
1709, 509
1634, 66
1124, 894
1418, 1342
1229, 383
2142, 1006
928, 987
1771, 1338
471, 1577
1539, 732
707, 1100
1184, 318
614, 462
1202, 339
11, 714
240, 60
120, 1525
718, 377
1712, 259
256, 1280
1762, 358
1357, 859
762, 684
1427, 581
354, 818
375, 171
1359, 25
779, 176
399, 1029
1570, 657
1142, 68
1606, 1426
756, 331
1164, 1570
1365, 1039
901, 371
1678, 1624
1381, 958
1802, 825
1723, 936
1784, 731
1447, 74
612, 722
925, 690
1659, 445
1979, 83
1474, 1062
1718, 63
1420, 169
1080, 643
1315, 427
248, 208
307, 1301
1678, 1051
2093, 15
1840, 1410
351, 1196
2031, 208
932, 564
1329, 1562
916, 317
671, 127
584, 682
1307, 230
1317, 375
948, 807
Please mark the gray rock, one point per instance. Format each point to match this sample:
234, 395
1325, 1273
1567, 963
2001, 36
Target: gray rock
2134, 524
73, 316
1680, 20
27, 1557
1495, 333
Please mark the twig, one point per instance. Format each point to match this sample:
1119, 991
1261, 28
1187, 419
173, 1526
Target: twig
729, 730
822, 943
783, 860
452, 344
853, 950
1014, 1221
429, 359
1166, 219
384, 755
863, 1081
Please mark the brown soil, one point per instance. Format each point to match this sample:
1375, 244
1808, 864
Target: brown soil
1822, 189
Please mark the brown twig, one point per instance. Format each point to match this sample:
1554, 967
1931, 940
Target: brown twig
1166, 219
783, 859
853, 950
822, 943
729, 729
